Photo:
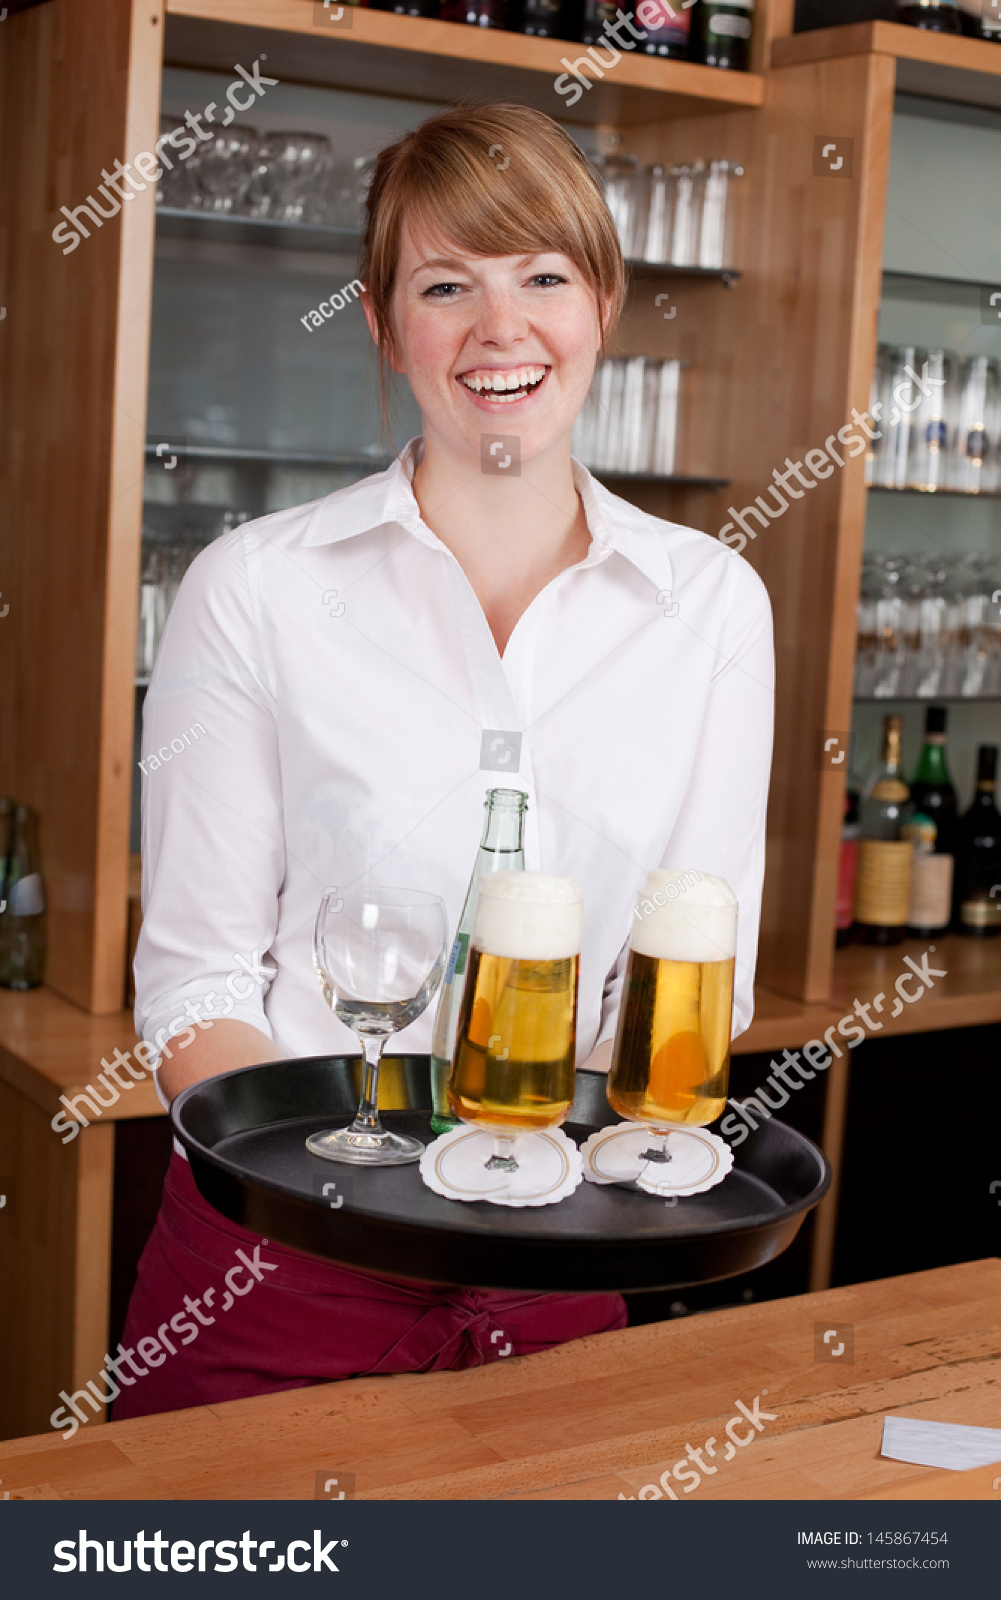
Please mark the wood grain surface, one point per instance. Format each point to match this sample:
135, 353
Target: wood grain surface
593, 1420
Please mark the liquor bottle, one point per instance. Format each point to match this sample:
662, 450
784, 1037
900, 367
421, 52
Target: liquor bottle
407, 8
930, 899
882, 889
931, 786
502, 849
547, 19
847, 868
595, 14
22, 926
937, 16
722, 35
980, 21
477, 13
977, 895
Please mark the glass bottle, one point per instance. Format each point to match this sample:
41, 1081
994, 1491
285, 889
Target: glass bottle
406, 8
937, 16
477, 13
931, 787
546, 19
22, 926
502, 849
722, 35
977, 896
882, 891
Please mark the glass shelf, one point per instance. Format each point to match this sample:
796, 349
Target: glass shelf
292, 458
962, 494
182, 224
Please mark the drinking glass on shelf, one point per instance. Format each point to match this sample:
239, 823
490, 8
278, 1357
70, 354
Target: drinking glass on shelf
152, 609
716, 224
225, 167
659, 215
979, 665
288, 168
688, 198
626, 195
890, 635
379, 955
932, 422
513, 1067
974, 459
177, 185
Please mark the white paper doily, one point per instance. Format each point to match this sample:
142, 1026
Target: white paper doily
619, 1154
549, 1167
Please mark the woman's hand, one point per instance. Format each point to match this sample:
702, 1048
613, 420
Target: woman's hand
600, 1058
228, 1044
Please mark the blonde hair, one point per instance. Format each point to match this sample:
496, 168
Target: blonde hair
495, 180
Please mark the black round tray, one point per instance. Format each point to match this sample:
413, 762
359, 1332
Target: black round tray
245, 1135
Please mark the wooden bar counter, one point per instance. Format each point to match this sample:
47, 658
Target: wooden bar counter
593, 1420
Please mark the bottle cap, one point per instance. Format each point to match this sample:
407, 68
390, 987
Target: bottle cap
935, 718
987, 763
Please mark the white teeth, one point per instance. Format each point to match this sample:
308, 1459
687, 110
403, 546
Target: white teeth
497, 382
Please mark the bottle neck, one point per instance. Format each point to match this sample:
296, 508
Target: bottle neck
504, 829
932, 767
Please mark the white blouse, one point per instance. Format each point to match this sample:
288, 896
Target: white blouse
328, 705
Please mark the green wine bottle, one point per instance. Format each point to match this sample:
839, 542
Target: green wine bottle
22, 925
502, 849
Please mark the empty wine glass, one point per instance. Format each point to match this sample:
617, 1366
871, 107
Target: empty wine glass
225, 166
379, 955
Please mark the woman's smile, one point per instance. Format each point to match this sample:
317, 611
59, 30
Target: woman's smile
490, 387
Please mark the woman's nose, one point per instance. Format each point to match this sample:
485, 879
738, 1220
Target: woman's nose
500, 322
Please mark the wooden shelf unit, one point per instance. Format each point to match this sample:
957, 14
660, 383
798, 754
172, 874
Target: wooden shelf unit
776, 367
424, 59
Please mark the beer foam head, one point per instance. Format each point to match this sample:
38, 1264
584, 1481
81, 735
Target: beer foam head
685, 916
528, 916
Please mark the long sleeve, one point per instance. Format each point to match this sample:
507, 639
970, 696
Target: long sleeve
212, 831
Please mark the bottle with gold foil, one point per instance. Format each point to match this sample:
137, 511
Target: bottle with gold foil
883, 883
977, 898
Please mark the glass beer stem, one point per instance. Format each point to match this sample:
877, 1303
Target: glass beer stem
367, 1118
502, 1159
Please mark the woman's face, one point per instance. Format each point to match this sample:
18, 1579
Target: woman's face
502, 344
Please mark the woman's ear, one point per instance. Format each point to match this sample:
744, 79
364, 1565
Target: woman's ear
387, 348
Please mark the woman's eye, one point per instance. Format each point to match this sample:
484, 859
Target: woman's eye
548, 278
441, 291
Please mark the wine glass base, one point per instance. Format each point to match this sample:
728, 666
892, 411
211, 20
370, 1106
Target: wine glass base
362, 1148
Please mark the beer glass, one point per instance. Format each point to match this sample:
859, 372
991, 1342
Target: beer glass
513, 1068
379, 955
671, 1056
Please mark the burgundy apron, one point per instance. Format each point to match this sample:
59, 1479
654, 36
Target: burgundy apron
232, 1315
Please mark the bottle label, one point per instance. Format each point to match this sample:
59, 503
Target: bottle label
732, 27
976, 444
882, 890
457, 957
26, 897
931, 891
890, 789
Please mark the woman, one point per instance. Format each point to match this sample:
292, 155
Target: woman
361, 669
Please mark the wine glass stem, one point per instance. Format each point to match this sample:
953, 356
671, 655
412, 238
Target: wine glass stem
503, 1158
367, 1118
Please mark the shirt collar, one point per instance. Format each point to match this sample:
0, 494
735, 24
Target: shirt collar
387, 497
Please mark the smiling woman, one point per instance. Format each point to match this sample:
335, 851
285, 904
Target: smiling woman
492, 589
